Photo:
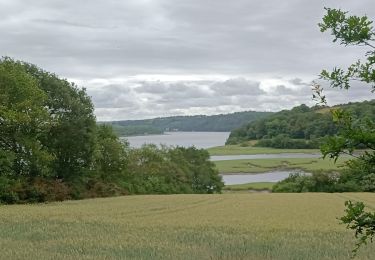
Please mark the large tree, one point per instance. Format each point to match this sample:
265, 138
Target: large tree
23, 121
72, 136
358, 31
48, 132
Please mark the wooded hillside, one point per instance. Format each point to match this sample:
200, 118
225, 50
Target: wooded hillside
215, 123
300, 127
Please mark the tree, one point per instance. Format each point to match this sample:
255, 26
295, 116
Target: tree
72, 136
356, 31
110, 155
48, 133
168, 170
23, 120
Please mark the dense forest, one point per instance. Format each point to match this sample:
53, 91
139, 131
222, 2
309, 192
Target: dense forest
300, 127
51, 147
215, 123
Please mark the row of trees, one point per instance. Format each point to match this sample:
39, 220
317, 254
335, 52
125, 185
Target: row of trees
52, 149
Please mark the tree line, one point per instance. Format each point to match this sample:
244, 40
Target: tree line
51, 147
203, 123
300, 127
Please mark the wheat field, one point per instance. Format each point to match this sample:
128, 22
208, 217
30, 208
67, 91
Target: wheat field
227, 226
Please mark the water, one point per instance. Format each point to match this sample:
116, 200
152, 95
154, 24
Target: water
265, 156
185, 139
273, 176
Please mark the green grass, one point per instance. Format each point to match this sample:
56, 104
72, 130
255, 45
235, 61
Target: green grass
250, 186
229, 226
265, 165
239, 150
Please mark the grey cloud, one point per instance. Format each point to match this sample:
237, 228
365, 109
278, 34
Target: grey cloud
155, 87
243, 41
299, 82
147, 99
161, 36
237, 86
282, 90
112, 96
173, 90
57, 22
297, 90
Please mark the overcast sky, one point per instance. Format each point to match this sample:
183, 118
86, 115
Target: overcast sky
150, 58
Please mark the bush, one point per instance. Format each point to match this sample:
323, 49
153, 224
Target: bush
316, 182
7, 195
172, 170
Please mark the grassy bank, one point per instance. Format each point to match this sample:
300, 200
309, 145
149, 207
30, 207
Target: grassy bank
265, 165
238, 150
256, 186
230, 226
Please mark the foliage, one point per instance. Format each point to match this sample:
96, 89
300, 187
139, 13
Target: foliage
318, 181
358, 176
47, 132
72, 135
350, 30
355, 127
362, 222
172, 170
356, 31
23, 119
131, 130
300, 127
219, 123
52, 149
283, 141
111, 155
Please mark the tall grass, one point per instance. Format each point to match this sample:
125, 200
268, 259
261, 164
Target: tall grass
230, 226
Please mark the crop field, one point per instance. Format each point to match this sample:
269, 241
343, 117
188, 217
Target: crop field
265, 165
228, 226
239, 150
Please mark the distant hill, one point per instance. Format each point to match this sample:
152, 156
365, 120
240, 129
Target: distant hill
215, 123
300, 127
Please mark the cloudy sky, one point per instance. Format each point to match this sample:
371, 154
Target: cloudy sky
149, 58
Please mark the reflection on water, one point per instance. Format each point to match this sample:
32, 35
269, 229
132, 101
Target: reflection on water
185, 139
274, 176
